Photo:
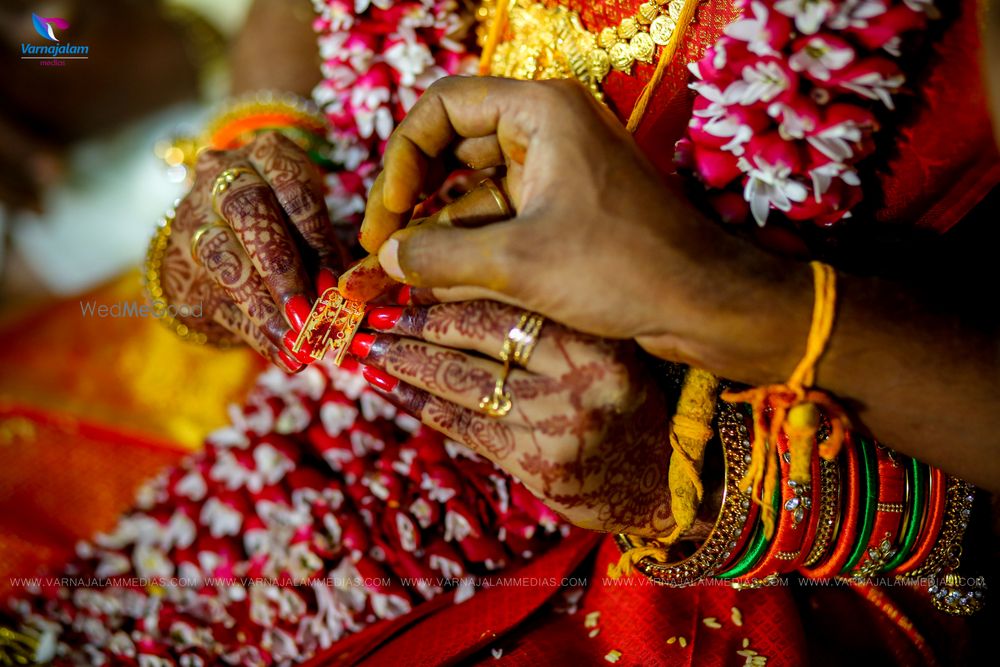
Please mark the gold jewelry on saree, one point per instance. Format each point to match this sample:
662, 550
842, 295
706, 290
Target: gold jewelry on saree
542, 42
715, 551
154, 289
199, 233
330, 327
223, 181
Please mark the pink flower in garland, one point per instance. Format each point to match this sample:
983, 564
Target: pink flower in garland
787, 100
378, 56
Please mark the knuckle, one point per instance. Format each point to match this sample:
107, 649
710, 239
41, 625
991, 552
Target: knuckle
417, 252
560, 90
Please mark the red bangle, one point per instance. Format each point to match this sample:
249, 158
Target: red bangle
889, 512
795, 522
847, 529
931, 528
820, 490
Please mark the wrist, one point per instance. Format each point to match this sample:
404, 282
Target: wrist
746, 315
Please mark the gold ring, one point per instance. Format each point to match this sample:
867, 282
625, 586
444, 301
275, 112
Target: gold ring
521, 340
498, 403
518, 345
200, 232
223, 181
498, 195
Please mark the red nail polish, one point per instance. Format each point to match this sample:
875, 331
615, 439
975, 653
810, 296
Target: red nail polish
384, 319
362, 345
303, 355
291, 365
402, 296
325, 279
297, 311
380, 379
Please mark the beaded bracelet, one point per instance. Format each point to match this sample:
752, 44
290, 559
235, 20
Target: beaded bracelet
741, 431
949, 593
757, 547
154, 289
947, 549
705, 561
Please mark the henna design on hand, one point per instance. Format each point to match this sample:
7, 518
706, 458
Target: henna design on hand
298, 190
599, 454
250, 209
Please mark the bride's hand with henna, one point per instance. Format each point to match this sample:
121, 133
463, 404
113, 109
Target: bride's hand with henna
265, 247
587, 428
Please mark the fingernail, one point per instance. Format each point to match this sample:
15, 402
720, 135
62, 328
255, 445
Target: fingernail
384, 319
388, 257
402, 296
297, 311
325, 279
380, 379
303, 355
291, 365
362, 345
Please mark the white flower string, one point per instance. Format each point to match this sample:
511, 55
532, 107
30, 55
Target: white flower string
789, 101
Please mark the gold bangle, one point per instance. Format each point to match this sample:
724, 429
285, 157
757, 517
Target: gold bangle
716, 549
154, 289
948, 549
829, 506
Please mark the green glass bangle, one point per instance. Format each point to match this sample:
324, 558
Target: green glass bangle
757, 547
918, 477
869, 475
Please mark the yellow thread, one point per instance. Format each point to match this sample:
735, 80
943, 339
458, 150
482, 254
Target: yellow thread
690, 431
666, 56
795, 408
493, 38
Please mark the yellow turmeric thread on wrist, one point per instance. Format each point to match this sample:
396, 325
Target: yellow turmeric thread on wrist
690, 431
795, 408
